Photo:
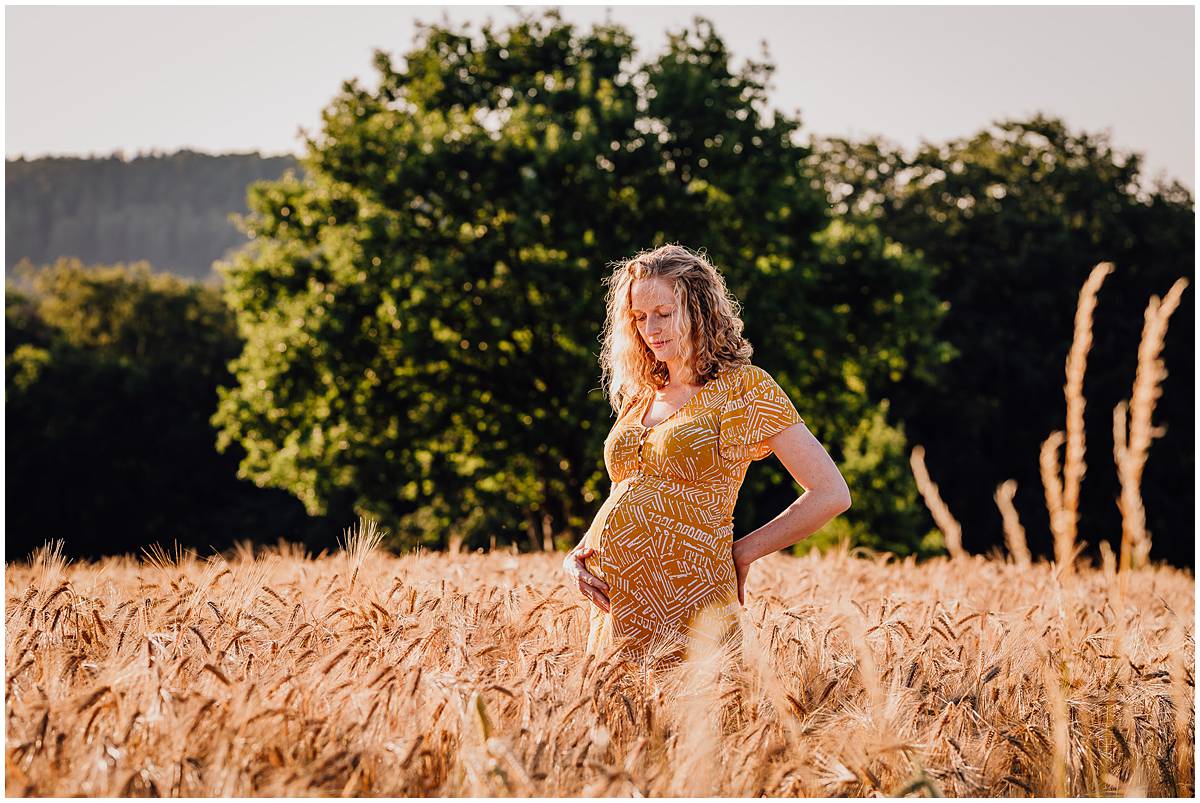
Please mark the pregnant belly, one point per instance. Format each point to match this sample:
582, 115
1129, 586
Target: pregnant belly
661, 568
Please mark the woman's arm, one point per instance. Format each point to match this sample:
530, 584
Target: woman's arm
826, 495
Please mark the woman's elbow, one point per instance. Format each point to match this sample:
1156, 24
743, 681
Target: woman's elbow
835, 495
841, 498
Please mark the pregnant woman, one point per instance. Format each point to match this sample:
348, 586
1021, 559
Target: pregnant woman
694, 412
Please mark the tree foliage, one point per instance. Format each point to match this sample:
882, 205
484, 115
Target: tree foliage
111, 378
421, 312
1011, 220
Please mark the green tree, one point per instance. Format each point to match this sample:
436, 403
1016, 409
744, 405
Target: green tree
1011, 220
422, 311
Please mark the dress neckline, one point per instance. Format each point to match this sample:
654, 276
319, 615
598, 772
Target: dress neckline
650, 402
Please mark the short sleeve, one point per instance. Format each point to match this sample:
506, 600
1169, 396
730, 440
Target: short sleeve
756, 410
630, 400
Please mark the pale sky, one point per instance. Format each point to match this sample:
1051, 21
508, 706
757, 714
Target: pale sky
87, 80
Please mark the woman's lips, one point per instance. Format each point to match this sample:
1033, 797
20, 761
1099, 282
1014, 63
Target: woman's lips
659, 343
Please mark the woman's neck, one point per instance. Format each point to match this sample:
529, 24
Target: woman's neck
675, 374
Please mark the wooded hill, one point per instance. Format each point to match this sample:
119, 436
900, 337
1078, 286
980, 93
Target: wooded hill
171, 210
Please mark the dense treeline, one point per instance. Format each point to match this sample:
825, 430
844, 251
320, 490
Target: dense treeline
1011, 220
111, 377
171, 210
410, 333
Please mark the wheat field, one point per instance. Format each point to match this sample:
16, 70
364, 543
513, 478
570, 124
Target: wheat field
365, 673
275, 673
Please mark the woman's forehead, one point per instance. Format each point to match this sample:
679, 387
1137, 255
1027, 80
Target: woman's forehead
651, 293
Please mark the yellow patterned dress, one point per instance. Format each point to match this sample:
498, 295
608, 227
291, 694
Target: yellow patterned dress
664, 536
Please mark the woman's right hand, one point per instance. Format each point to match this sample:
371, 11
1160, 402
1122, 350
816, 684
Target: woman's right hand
588, 584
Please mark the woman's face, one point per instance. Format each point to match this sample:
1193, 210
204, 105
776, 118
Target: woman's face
652, 305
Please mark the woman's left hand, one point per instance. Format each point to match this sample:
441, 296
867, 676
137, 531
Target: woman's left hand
742, 567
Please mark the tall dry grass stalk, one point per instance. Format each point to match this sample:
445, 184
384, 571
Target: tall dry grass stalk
1061, 487
1132, 435
1065, 548
951, 530
698, 755
1056, 685
1074, 465
269, 675
359, 544
1062, 492
1014, 533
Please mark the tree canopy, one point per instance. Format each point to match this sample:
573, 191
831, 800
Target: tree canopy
421, 311
111, 377
1011, 220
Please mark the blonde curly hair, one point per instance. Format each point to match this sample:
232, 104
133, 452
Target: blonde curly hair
708, 313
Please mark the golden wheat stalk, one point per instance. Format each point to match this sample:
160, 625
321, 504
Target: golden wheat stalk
359, 544
1056, 691
1074, 466
951, 530
1052, 485
1108, 561
1014, 533
1131, 442
1062, 491
698, 749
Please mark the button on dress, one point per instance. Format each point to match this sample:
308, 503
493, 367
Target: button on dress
664, 536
